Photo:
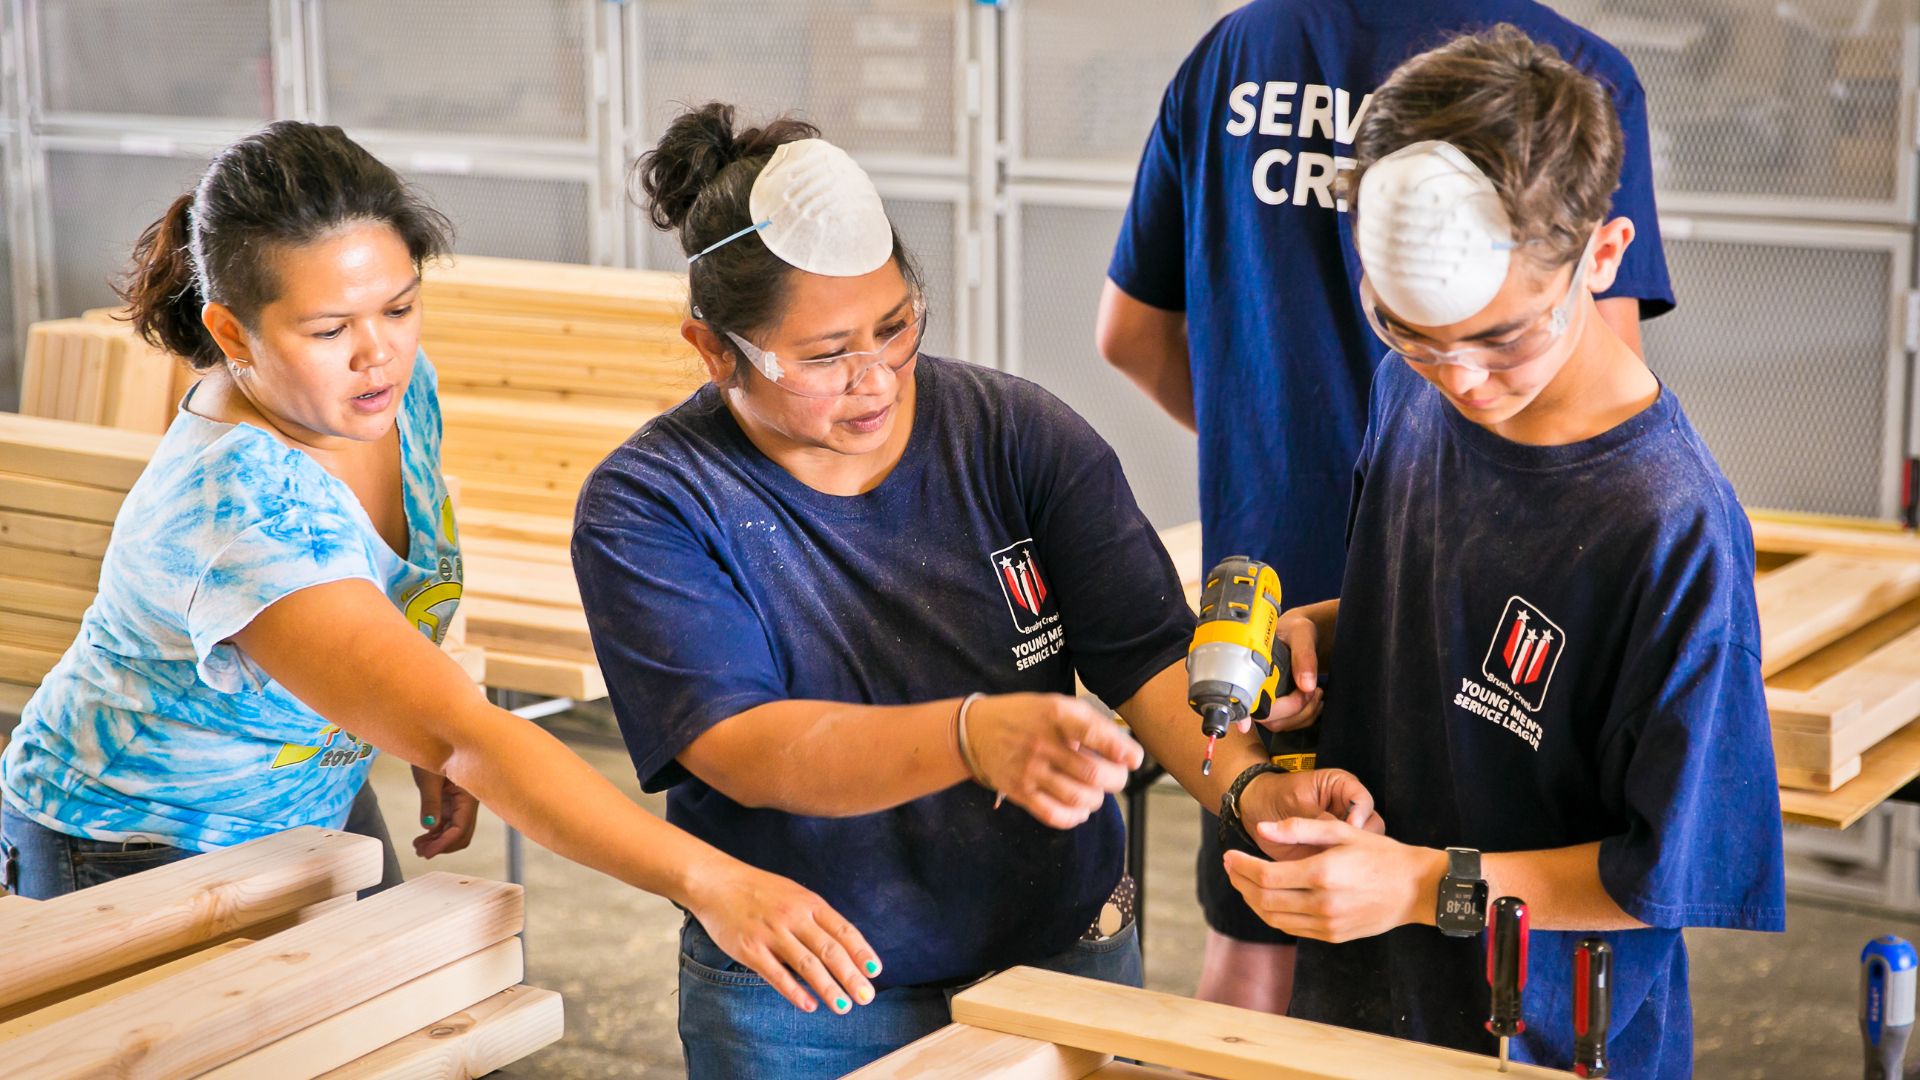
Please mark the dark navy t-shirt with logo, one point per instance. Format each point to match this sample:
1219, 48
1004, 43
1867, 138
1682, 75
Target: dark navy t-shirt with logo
1540, 647
1002, 554
1234, 220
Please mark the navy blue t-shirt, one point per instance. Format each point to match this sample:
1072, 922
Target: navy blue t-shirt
1234, 221
1538, 647
1004, 553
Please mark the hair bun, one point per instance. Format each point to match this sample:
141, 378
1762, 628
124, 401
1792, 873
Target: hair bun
698, 146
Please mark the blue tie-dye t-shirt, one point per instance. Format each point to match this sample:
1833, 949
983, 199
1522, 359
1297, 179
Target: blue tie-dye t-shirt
153, 724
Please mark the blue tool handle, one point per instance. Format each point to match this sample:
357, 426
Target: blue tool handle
1887, 984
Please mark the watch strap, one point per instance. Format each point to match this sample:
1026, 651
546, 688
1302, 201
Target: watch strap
1463, 863
1233, 831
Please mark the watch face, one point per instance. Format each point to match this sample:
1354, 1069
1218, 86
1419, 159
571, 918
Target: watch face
1463, 905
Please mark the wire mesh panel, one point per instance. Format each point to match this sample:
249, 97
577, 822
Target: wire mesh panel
1059, 262
514, 217
1793, 101
97, 205
183, 58
1779, 354
926, 228
1086, 75
470, 67
9, 325
879, 77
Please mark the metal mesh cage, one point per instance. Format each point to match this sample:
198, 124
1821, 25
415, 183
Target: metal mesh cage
9, 327
514, 217
1062, 259
877, 76
1791, 100
925, 227
1779, 356
475, 67
1088, 74
184, 58
97, 205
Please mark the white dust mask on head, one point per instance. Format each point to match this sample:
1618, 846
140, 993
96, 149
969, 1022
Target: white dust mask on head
1434, 238
818, 211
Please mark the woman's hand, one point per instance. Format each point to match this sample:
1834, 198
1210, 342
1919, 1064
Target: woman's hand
1299, 708
447, 812
781, 929
1314, 793
1055, 756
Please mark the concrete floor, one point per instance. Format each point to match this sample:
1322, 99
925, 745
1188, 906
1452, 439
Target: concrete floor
1779, 1005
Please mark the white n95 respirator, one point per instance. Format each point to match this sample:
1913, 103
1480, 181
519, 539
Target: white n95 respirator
1434, 237
818, 211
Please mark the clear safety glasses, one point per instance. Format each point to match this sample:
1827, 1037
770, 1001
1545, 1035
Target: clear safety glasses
1522, 347
832, 376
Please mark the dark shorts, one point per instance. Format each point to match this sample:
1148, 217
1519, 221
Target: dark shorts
40, 864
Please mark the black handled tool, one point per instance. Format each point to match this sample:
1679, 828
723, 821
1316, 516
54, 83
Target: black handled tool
1507, 969
1592, 1005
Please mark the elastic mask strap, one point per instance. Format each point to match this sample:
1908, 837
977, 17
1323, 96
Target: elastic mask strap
755, 227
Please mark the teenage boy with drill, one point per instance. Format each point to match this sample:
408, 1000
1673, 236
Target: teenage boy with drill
1547, 649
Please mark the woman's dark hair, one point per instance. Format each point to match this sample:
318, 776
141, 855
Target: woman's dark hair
697, 181
288, 184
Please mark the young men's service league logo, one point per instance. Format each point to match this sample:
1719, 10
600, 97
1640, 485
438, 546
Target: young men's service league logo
1523, 653
1020, 581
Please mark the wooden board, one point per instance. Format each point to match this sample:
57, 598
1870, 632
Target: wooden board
1201, 1036
474, 1042
120, 987
386, 1018
962, 1052
37, 632
62, 536
13, 698
532, 629
73, 453
1885, 769
544, 676
1819, 599
21, 492
240, 1002
1803, 534
75, 937
26, 666
48, 598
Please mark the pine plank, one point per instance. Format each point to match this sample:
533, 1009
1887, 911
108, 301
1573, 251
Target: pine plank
38, 631
110, 926
89, 355
533, 629
1803, 534
960, 1052
60, 1010
20, 492
1818, 780
33, 372
391, 1016
76, 570
139, 383
544, 676
60, 535
193, 1021
493, 1034
1885, 769
64, 355
73, 453
477, 525
1821, 598
27, 666
1201, 1036
30, 597
13, 698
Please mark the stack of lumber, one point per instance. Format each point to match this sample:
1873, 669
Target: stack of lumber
1839, 608
257, 961
61, 485
96, 370
544, 369
1043, 1025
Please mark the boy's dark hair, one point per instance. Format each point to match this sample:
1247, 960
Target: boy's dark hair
1542, 130
698, 181
290, 183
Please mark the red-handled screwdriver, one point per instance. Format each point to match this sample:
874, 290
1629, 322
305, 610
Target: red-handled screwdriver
1592, 1005
1507, 969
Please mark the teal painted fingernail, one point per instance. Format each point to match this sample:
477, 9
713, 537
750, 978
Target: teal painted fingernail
841, 1004
873, 967
429, 821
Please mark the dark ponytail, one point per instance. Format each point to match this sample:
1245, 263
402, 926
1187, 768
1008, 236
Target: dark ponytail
289, 184
698, 181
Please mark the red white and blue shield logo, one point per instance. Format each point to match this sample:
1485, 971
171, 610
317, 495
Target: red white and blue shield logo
1020, 580
1524, 651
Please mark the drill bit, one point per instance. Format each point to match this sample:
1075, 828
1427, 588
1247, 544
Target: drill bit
1206, 767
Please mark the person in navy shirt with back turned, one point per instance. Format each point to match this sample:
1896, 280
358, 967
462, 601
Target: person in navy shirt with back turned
840, 595
1545, 656
1231, 302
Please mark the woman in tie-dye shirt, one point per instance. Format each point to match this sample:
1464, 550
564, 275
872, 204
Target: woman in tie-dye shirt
278, 579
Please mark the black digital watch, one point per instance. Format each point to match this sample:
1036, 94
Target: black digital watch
1461, 909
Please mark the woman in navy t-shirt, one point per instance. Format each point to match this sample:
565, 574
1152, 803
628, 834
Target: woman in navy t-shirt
845, 579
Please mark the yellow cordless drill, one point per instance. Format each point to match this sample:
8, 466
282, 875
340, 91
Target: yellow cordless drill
1232, 670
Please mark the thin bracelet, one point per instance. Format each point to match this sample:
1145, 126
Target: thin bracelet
966, 755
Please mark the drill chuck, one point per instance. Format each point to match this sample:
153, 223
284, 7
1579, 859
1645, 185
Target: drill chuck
1214, 719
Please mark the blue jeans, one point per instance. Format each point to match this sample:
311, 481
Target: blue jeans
43, 864
733, 1026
